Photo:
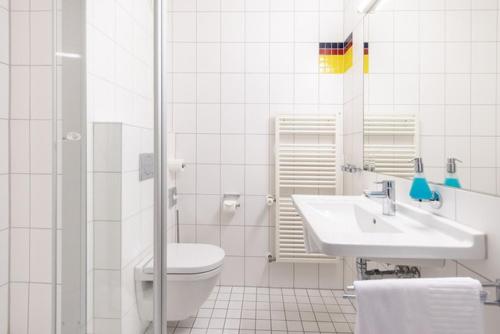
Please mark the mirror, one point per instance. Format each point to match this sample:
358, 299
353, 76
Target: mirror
430, 90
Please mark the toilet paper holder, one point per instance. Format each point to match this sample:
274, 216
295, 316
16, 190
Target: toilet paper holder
231, 198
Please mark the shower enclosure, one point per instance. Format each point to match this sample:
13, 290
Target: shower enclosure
88, 114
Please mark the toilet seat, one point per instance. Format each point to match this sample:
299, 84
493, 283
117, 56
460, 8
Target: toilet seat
186, 262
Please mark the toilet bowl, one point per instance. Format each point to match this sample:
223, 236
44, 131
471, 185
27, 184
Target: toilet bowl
192, 272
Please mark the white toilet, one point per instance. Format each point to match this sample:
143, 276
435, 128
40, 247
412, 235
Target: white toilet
192, 272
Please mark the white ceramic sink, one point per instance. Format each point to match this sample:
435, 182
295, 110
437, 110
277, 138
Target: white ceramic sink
355, 226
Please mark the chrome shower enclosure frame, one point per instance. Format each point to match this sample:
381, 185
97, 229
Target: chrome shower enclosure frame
71, 296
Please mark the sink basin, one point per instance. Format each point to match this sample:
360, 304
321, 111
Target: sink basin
355, 226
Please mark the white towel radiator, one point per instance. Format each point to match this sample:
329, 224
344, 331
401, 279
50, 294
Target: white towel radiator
306, 163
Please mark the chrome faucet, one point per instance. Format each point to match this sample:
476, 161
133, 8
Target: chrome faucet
388, 194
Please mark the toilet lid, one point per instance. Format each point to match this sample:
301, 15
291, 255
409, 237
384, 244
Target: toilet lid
190, 259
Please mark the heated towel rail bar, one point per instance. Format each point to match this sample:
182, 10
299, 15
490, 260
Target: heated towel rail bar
483, 296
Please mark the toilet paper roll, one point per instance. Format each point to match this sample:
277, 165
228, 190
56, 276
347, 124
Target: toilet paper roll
230, 205
176, 165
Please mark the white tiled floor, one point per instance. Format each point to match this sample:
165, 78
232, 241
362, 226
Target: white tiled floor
248, 310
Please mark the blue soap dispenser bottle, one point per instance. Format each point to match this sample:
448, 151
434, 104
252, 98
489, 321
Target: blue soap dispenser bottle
420, 189
451, 179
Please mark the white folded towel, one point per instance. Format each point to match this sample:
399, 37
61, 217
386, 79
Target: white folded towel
419, 306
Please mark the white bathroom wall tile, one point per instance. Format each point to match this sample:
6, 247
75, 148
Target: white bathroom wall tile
20, 98
432, 120
483, 120
256, 26
107, 154
208, 179
406, 89
458, 89
130, 194
40, 255
484, 57
107, 196
185, 147
208, 5
330, 28
458, 26
233, 179
208, 209
406, 26
232, 57
484, 25
306, 88
432, 26
19, 254
232, 118
208, 148
256, 181
330, 276
483, 88
183, 91
256, 241
5, 84
256, 149
20, 31
281, 58
41, 146
281, 27
208, 234
233, 240
457, 120
306, 27
4, 257
281, 88
208, 118
20, 156
18, 315
41, 38
20, 200
208, 57
232, 5
184, 27
330, 89
186, 181
256, 271
480, 180
306, 58
257, 88
41, 201
4, 202
481, 148
208, 88
381, 89
232, 149
432, 89
256, 211
107, 245
4, 146
256, 118
4, 308
234, 271
232, 88
107, 326
432, 57
281, 274
107, 293
257, 58
306, 275
381, 27
232, 27
184, 57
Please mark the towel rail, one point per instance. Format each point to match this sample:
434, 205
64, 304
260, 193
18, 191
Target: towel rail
483, 295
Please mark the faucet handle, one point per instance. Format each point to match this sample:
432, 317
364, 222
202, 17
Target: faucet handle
386, 183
